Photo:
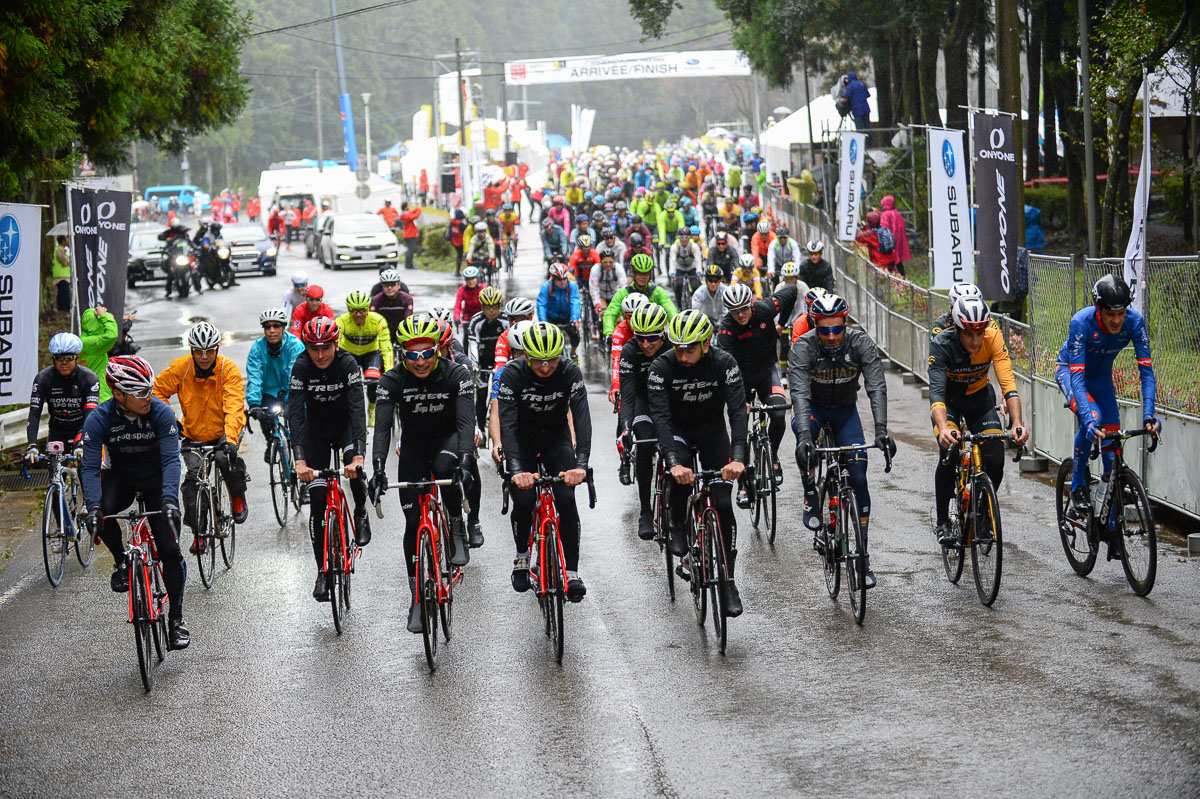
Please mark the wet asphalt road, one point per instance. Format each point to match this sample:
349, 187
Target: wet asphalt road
1066, 687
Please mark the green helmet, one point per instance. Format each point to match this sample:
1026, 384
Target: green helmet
689, 327
648, 320
419, 327
358, 301
642, 263
543, 341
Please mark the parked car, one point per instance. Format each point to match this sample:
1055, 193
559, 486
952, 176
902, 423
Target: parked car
147, 260
250, 248
187, 195
357, 240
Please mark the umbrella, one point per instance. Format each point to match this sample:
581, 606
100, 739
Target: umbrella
139, 205
58, 230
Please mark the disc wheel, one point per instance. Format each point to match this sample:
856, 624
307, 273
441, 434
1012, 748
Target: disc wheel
142, 632
716, 577
427, 577
1135, 530
54, 538
280, 487
856, 557
987, 540
206, 521
1079, 547
831, 562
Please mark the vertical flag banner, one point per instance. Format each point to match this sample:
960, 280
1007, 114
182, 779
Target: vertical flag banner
949, 210
349, 146
995, 171
20, 281
1135, 251
853, 153
100, 246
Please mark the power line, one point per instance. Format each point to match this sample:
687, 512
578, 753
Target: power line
331, 18
526, 52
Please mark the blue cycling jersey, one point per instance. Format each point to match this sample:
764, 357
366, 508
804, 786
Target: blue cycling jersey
141, 447
1089, 352
269, 375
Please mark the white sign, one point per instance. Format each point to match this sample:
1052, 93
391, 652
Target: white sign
20, 281
448, 98
849, 201
627, 66
950, 213
1135, 250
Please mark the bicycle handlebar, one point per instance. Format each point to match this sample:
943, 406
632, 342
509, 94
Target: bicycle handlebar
979, 438
325, 474
1121, 435
887, 456
543, 481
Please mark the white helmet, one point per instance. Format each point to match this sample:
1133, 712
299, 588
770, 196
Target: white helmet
516, 336
480, 227
300, 279
442, 314
519, 306
747, 261
960, 290
815, 245
764, 227
632, 302
789, 270
737, 296
204, 336
971, 312
273, 315
470, 272
389, 276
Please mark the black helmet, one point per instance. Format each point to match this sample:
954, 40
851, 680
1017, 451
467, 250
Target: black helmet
1111, 292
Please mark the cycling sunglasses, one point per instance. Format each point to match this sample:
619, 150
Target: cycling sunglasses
539, 362
420, 355
648, 339
712, 278
142, 394
832, 330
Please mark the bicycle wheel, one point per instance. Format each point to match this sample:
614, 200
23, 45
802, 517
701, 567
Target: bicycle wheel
225, 527
716, 576
206, 521
1135, 528
695, 565
768, 489
1079, 546
54, 537
427, 569
351, 550
446, 603
952, 557
142, 633
555, 588
754, 483
987, 540
831, 559
279, 483
85, 541
333, 560
158, 594
856, 556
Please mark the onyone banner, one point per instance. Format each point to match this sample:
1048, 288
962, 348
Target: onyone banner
99, 221
849, 201
627, 66
995, 164
20, 284
949, 210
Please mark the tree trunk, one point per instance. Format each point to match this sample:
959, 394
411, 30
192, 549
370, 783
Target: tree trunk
927, 73
1062, 80
1033, 65
1051, 49
910, 91
954, 53
883, 56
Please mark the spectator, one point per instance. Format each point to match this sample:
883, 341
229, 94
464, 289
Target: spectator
60, 273
412, 235
869, 238
389, 214
423, 188
99, 330
254, 208
893, 221
857, 93
454, 232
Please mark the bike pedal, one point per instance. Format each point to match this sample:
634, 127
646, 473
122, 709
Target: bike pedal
683, 574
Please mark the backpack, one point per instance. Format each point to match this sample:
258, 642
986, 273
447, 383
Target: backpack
887, 242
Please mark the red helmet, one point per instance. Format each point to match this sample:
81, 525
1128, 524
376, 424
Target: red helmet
447, 334
558, 272
320, 330
315, 293
129, 373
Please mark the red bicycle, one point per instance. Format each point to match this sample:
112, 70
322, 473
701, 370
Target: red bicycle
547, 562
436, 577
704, 567
340, 549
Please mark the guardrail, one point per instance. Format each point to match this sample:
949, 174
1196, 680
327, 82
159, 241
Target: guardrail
898, 315
12, 428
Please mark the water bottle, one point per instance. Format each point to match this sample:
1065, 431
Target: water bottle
1101, 492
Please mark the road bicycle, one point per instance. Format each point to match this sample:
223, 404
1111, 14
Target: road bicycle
64, 522
760, 477
659, 497
147, 594
975, 517
704, 567
340, 549
841, 539
510, 254
1127, 525
436, 576
285, 490
215, 528
548, 564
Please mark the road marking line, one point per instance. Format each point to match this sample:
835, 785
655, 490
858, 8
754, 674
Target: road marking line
18, 587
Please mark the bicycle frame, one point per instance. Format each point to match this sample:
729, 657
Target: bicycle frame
335, 504
431, 510
1116, 439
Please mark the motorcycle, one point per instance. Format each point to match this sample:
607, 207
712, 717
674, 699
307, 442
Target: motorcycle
212, 256
179, 260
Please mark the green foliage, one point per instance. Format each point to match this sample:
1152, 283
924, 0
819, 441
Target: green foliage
435, 243
90, 76
1054, 203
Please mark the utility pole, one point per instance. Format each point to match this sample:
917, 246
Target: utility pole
320, 137
757, 115
1089, 164
462, 111
812, 147
133, 168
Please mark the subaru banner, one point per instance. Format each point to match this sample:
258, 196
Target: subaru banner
20, 283
849, 192
949, 210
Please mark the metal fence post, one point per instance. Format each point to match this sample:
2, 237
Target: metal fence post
1074, 293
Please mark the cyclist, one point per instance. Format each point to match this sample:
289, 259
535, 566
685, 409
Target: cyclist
298, 293
212, 399
138, 433
691, 389
816, 271
516, 349
648, 323
269, 370
450, 350
327, 412
430, 399
668, 224
804, 322
641, 282
823, 371
961, 397
622, 333
1084, 374
558, 215
364, 334
747, 275
611, 244
466, 302
946, 320
312, 307
392, 302
518, 309
554, 241
641, 229
483, 331
559, 303
708, 297
479, 251
583, 227
583, 259
496, 231
780, 251
606, 281
790, 275
683, 267
723, 253
70, 391
761, 242
535, 396
748, 332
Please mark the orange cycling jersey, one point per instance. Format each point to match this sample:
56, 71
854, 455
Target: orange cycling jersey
955, 374
508, 222
212, 406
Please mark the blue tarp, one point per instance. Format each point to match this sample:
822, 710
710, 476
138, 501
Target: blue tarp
556, 142
1035, 237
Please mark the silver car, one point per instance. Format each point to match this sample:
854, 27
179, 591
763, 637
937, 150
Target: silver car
357, 240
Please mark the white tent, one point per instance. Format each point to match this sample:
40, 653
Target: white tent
778, 139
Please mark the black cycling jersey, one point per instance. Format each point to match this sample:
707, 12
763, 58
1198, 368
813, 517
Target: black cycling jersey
755, 346
333, 397
818, 275
634, 369
482, 334
428, 410
943, 322
828, 378
533, 411
70, 400
460, 356
693, 398
394, 310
